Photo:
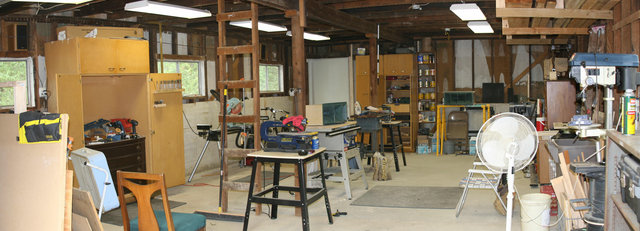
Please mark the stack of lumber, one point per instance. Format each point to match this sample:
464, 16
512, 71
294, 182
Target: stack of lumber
550, 21
567, 187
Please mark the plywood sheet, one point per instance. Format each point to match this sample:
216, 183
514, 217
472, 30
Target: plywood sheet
83, 206
33, 180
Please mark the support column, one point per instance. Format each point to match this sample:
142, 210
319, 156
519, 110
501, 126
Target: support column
298, 60
373, 69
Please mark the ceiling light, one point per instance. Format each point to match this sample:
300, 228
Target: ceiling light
262, 26
467, 11
312, 36
166, 9
480, 27
55, 1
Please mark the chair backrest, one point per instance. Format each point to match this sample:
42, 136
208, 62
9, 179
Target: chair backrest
457, 125
146, 217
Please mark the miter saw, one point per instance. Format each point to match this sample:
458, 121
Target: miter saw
607, 70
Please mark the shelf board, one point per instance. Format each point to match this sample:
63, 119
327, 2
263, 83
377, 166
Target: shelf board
398, 89
425, 121
626, 211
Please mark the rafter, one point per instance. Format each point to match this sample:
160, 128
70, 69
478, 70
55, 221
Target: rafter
376, 3
321, 13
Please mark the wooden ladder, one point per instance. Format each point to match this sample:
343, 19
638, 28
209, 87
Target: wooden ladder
224, 83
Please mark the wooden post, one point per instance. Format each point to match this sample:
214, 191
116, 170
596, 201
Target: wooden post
373, 69
153, 49
298, 60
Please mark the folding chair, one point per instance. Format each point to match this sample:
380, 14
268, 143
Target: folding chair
480, 179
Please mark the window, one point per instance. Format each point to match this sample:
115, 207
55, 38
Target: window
16, 69
271, 78
192, 75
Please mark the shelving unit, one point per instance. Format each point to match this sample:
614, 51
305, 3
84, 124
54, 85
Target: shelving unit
619, 215
426, 90
400, 92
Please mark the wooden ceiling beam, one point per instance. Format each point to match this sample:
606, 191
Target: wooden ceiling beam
321, 13
376, 3
536, 41
553, 13
544, 30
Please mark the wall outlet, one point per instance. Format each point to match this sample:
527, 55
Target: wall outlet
43, 92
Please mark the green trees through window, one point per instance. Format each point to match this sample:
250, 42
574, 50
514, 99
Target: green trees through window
270, 78
190, 71
11, 71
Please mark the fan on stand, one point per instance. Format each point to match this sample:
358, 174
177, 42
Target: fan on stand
507, 143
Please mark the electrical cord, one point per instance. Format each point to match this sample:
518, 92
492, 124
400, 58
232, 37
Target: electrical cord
189, 124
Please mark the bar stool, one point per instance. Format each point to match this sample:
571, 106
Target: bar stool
393, 147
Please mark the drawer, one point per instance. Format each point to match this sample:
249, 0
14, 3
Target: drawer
124, 160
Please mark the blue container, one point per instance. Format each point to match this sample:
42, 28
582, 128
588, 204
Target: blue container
315, 143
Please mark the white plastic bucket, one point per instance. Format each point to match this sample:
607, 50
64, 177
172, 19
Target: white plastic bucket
535, 211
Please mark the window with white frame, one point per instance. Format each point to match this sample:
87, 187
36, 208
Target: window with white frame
271, 78
16, 69
192, 75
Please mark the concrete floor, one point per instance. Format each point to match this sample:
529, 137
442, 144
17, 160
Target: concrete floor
421, 170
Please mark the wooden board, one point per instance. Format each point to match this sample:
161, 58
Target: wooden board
103, 32
68, 191
80, 223
83, 206
560, 98
558, 188
33, 180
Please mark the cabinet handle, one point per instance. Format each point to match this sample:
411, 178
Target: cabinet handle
123, 68
112, 68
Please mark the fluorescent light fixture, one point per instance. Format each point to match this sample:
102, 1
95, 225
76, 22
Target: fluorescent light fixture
262, 26
160, 8
55, 1
480, 27
467, 11
312, 36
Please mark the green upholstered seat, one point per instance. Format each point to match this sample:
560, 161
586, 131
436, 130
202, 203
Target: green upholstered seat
181, 221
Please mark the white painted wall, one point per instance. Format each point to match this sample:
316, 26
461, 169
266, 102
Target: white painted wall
329, 80
482, 50
463, 64
207, 113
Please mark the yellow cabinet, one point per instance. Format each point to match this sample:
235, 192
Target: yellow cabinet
362, 65
399, 64
104, 55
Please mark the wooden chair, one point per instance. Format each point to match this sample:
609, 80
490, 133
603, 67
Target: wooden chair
147, 218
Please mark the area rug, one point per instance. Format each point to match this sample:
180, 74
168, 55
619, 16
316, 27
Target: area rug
114, 216
427, 197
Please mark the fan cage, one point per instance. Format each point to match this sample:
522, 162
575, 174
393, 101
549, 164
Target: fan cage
526, 123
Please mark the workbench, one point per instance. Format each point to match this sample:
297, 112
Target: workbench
332, 138
287, 158
618, 215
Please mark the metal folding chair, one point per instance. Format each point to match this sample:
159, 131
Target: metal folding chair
479, 179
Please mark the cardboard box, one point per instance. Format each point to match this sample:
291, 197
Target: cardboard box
422, 139
103, 32
314, 114
561, 64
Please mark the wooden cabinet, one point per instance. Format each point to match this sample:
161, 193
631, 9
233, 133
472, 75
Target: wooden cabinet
560, 101
362, 65
103, 55
399, 64
125, 155
89, 96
